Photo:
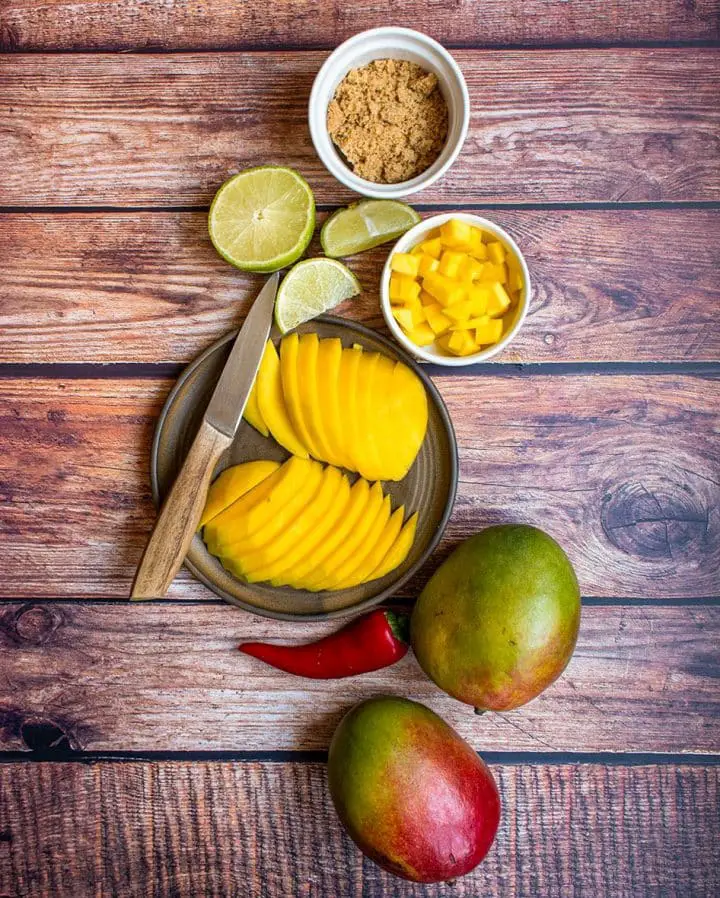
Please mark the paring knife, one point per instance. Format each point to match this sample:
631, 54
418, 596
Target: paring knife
180, 514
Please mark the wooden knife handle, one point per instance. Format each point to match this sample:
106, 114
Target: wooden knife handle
180, 515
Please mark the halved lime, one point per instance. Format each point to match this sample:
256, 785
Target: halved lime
263, 218
364, 225
310, 288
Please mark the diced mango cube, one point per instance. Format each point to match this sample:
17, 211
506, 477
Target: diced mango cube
461, 311
427, 264
436, 318
493, 271
445, 290
403, 287
450, 263
462, 343
477, 247
426, 298
404, 318
470, 323
489, 332
479, 296
431, 247
422, 335
499, 301
496, 252
470, 269
456, 234
405, 263
417, 309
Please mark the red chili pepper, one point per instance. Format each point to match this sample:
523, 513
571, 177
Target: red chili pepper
375, 640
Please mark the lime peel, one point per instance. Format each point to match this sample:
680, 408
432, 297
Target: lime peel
310, 288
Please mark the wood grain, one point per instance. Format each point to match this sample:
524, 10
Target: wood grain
594, 125
215, 24
269, 831
168, 677
623, 470
148, 287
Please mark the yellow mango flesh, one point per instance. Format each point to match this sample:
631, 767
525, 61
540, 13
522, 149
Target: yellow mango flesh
271, 402
379, 550
252, 412
294, 393
254, 519
348, 391
326, 521
307, 362
233, 483
406, 430
367, 458
342, 559
468, 274
344, 574
312, 566
278, 556
327, 376
399, 551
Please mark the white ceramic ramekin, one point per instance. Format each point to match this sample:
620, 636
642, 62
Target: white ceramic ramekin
432, 353
389, 43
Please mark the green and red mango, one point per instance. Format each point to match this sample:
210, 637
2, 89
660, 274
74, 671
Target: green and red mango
412, 794
498, 620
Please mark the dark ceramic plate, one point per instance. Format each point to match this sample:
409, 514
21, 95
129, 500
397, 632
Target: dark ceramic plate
429, 487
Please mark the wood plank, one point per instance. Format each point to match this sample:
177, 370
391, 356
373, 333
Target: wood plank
168, 677
594, 125
215, 24
622, 470
222, 830
148, 287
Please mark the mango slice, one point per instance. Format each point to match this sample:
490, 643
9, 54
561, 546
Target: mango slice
271, 403
278, 555
312, 566
379, 550
327, 382
347, 390
367, 459
407, 431
385, 420
295, 386
345, 575
258, 515
346, 551
326, 521
233, 483
399, 551
252, 412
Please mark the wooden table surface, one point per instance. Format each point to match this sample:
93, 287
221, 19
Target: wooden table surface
141, 755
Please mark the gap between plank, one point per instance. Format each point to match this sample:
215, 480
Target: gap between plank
608, 759
588, 206
163, 370
691, 44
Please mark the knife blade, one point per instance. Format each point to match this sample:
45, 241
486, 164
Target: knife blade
226, 407
180, 514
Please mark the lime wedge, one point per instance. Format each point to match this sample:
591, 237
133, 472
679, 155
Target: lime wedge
310, 288
263, 218
364, 225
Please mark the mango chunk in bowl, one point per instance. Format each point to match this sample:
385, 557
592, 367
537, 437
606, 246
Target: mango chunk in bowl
455, 289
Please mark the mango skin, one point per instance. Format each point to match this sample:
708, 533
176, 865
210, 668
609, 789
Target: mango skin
411, 793
498, 621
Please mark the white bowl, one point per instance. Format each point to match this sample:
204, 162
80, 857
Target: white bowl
389, 43
432, 353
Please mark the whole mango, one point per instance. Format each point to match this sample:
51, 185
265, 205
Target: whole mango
411, 793
498, 621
